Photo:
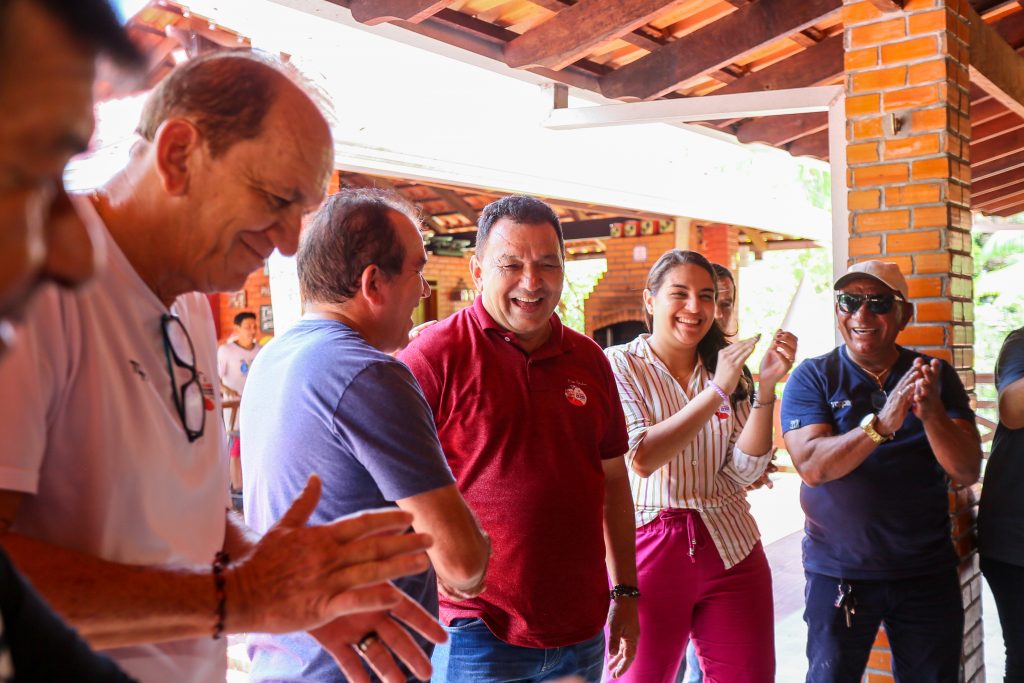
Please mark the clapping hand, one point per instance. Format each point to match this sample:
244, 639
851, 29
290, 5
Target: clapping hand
899, 401
730, 363
926, 399
778, 359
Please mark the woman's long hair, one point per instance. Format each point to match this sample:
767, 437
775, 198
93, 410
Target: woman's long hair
714, 340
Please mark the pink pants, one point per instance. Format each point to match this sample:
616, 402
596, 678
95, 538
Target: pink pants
728, 613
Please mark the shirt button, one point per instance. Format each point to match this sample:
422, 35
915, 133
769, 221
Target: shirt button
507, 339
693, 462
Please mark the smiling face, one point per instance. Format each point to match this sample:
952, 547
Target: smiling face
519, 276
683, 307
46, 80
871, 337
252, 198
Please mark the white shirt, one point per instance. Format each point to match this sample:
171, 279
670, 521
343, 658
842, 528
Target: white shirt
710, 475
90, 432
233, 363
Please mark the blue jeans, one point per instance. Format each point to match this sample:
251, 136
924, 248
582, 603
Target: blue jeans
1007, 584
923, 617
474, 655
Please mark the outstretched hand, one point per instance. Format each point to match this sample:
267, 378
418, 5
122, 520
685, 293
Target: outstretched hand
383, 640
299, 577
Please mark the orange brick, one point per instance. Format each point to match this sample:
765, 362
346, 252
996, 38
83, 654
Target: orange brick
922, 335
862, 105
922, 287
861, 59
927, 22
875, 677
916, 146
911, 5
881, 174
909, 50
865, 246
928, 72
879, 79
905, 98
862, 153
931, 217
918, 240
860, 12
929, 119
877, 33
868, 128
924, 193
871, 221
932, 263
863, 199
933, 311
930, 168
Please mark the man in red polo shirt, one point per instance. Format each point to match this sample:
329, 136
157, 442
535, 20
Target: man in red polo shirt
529, 417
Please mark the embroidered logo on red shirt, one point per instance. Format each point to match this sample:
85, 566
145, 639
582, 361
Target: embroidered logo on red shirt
575, 395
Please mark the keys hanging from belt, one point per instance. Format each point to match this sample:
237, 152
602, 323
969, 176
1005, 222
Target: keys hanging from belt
846, 601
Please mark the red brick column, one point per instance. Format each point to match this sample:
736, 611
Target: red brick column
720, 244
908, 136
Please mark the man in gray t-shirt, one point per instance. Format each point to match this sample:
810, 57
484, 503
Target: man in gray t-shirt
327, 398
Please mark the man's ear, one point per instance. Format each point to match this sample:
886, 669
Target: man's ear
176, 141
370, 284
476, 272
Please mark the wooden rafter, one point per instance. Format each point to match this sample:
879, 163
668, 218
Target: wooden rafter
995, 65
815, 145
997, 147
372, 12
575, 31
818, 64
982, 170
888, 5
458, 203
982, 191
1001, 125
714, 46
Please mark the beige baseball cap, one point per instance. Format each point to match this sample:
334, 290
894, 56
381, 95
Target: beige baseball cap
886, 272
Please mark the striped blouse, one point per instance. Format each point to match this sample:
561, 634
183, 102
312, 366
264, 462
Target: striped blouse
710, 475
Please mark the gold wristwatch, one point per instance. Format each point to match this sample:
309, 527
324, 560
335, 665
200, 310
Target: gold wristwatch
868, 425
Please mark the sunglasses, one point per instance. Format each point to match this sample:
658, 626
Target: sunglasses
880, 304
188, 395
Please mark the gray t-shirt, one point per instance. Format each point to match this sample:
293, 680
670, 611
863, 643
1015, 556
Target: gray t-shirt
1001, 512
323, 400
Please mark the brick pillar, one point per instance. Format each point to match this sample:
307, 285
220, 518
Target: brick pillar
908, 136
720, 244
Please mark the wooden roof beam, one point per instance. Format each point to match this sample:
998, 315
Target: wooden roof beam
983, 170
815, 145
577, 30
778, 130
996, 183
373, 12
714, 46
458, 203
888, 5
995, 65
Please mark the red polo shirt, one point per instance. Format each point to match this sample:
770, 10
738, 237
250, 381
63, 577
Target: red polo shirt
525, 435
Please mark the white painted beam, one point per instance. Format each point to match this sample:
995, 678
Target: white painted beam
706, 108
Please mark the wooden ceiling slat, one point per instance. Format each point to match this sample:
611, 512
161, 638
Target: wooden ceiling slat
995, 65
745, 30
373, 12
997, 147
997, 126
982, 170
577, 30
815, 65
1002, 202
982, 189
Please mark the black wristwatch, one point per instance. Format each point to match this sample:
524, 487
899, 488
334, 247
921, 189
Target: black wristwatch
623, 591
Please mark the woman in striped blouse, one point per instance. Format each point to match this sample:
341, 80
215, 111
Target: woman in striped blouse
698, 435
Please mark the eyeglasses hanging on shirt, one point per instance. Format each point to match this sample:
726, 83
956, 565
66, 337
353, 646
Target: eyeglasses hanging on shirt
181, 358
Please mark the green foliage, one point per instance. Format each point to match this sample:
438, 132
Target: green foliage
580, 279
817, 185
998, 292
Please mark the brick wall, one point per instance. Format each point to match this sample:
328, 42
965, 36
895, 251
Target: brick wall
257, 293
446, 271
618, 294
908, 135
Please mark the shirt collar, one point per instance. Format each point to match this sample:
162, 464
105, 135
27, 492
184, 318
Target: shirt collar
558, 342
641, 348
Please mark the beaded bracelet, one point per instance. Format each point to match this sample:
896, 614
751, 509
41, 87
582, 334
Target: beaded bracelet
220, 563
725, 406
755, 401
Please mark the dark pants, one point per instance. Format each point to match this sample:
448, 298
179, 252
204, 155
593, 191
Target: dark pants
923, 617
1007, 584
